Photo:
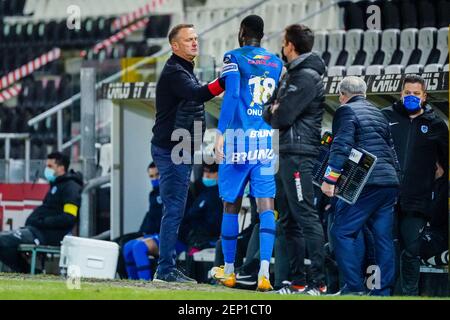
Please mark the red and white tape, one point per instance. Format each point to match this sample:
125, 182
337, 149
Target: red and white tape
126, 19
10, 92
118, 36
29, 68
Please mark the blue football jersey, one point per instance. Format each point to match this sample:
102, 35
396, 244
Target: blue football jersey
258, 72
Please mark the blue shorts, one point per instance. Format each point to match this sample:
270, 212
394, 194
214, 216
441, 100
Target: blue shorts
233, 179
179, 247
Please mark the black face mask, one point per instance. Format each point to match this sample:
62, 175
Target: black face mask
283, 57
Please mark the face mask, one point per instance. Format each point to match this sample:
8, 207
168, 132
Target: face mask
49, 174
283, 57
155, 183
209, 182
412, 103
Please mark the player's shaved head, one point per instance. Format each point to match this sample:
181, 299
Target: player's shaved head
253, 27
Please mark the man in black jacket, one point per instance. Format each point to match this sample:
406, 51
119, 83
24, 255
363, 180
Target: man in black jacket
421, 142
50, 222
179, 104
296, 111
360, 125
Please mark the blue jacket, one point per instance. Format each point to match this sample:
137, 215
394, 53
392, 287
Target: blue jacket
359, 124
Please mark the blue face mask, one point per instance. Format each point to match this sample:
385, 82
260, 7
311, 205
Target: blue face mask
411, 103
155, 183
49, 174
209, 182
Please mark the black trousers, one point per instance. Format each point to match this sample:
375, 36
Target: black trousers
9, 242
411, 225
299, 219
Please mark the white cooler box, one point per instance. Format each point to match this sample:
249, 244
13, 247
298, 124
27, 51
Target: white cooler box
91, 258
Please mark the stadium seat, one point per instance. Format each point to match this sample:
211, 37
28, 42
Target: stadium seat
389, 45
394, 69
355, 70
390, 15
442, 45
353, 45
320, 41
446, 68
354, 15
414, 68
374, 70
443, 13
427, 42
427, 13
336, 71
335, 46
434, 67
408, 45
408, 14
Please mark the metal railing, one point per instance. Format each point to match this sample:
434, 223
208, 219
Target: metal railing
7, 137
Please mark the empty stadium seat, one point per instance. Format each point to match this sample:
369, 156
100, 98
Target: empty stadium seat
408, 14
374, 70
443, 13
335, 46
427, 13
353, 45
442, 45
355, 70
434, 67
371, 46
390, 13
446, 67
336, 71
321, 45
408, 45
427, 42
414, 68
394, 69
389, 45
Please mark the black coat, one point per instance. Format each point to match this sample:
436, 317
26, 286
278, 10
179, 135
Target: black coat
359, 124
301, 98
179, 101
419, 143
205, 217
152, 220
51, 221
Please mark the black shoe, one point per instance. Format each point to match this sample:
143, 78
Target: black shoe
246, 279
174, 275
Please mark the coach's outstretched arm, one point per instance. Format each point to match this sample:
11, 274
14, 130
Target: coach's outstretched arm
182, 85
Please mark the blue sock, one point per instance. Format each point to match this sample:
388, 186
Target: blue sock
140, 254
266, 234
129, 260
230, 231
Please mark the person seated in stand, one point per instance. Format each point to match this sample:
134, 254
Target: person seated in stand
51, 221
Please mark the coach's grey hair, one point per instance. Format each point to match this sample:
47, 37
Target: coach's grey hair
352, 86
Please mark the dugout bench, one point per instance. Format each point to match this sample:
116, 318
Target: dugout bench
35, 250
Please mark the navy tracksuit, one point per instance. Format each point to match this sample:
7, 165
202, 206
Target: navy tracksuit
359, 124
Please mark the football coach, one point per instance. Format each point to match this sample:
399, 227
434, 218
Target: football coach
179, 103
